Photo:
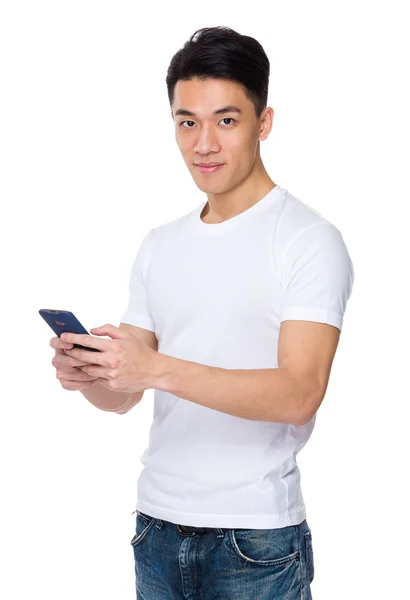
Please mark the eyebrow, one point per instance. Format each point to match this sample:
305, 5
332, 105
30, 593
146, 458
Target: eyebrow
221, 111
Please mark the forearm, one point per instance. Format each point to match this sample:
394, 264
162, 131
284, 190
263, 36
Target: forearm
110, 400
255, 394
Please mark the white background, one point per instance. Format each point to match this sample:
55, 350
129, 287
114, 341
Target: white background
89, 164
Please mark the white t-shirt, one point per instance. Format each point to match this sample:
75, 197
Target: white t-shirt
216, 294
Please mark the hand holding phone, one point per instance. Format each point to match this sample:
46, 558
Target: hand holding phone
69, 374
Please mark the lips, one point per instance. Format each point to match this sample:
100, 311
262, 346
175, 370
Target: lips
209, 167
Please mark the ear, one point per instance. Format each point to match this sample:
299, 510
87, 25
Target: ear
266, 120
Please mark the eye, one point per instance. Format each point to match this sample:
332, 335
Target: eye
181, 124
228, 119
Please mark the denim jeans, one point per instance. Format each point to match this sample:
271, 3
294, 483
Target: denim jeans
221, 564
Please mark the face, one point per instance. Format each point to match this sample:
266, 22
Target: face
215, 122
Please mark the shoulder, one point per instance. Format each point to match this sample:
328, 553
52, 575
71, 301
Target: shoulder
300, 225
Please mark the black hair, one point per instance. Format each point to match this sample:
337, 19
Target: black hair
222, 53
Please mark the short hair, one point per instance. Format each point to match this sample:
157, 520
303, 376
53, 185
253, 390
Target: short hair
222, 53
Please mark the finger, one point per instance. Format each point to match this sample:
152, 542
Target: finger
61, 360
77, 364
86, 356
85, 340
93, 342
113, 332
95, 371
58, 344
77, 385
75, 375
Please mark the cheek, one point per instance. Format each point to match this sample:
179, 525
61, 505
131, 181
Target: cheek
242, 155
184, 141
239, 144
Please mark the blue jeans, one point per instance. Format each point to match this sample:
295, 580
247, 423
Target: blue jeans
221, 564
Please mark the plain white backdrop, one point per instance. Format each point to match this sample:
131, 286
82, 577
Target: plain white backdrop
89, 164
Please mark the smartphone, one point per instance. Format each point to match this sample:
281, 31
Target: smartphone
64, 320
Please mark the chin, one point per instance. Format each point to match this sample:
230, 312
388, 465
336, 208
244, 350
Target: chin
211, 189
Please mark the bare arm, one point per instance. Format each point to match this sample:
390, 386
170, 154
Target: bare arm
290, 393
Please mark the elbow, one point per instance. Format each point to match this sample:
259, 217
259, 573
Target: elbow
308, 410
304, 420
123, 410
133, 401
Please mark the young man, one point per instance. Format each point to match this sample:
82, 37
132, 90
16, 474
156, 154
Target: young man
234, 317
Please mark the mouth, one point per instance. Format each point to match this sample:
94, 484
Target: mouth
209, 168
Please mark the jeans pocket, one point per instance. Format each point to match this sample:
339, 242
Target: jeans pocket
142, 526
269, 547
310, 566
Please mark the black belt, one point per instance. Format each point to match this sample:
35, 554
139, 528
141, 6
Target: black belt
189, 530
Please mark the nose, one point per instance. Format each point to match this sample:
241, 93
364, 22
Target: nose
206, 141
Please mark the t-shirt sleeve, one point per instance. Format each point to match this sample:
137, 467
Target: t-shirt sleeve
137, 312
317, 276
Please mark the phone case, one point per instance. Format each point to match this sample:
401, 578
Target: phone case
64, 320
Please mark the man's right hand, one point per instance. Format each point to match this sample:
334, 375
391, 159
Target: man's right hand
67, 371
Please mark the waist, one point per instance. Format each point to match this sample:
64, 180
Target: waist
189, 530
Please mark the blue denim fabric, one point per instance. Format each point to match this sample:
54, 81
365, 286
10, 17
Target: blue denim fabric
229, 564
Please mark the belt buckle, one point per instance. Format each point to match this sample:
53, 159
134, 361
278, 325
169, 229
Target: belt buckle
186, 533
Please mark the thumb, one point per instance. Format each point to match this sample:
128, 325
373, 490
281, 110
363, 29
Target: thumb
113, 332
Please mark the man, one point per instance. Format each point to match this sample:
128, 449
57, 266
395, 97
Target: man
234, 317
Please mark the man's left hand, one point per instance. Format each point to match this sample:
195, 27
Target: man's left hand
123, 364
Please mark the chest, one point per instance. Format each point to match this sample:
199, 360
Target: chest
228, 284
